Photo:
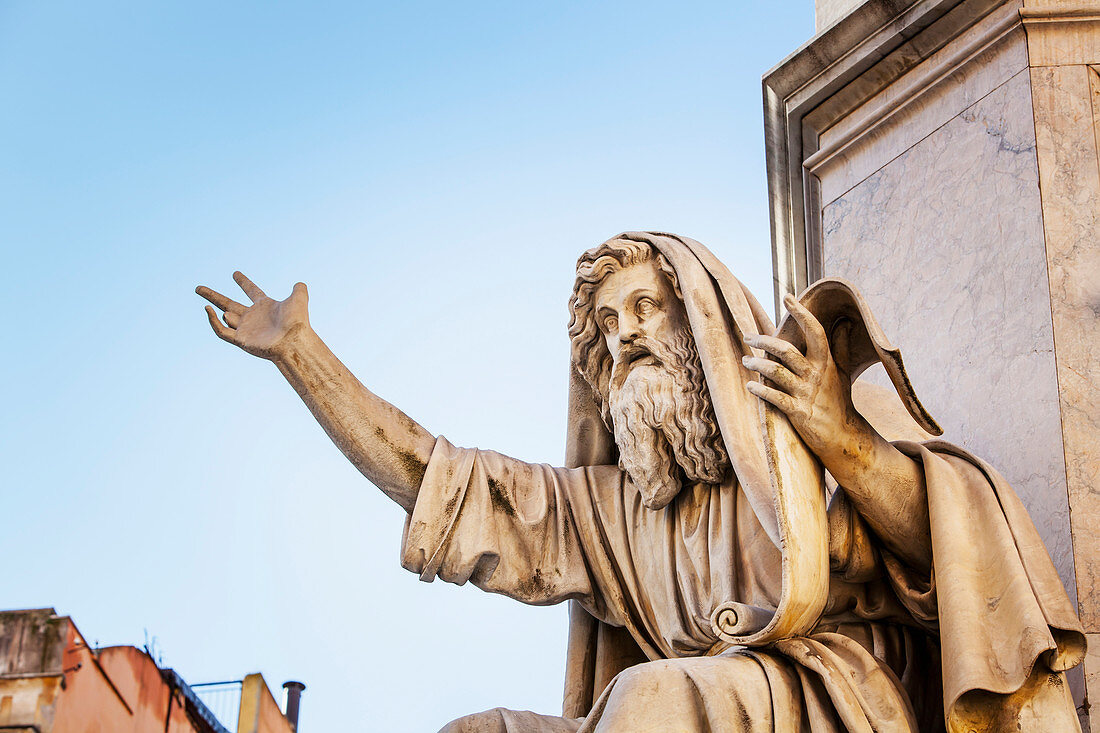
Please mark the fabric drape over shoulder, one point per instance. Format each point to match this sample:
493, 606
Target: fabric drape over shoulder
993, 580
544, 535
987, 632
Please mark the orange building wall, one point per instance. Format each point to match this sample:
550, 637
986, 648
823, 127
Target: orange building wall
259, 711
52, 682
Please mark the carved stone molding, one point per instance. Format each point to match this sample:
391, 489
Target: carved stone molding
848, 84
1061, 34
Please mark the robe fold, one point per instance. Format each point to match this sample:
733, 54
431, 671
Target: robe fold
979, 644
544, 535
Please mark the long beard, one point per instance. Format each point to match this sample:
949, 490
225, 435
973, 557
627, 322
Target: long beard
663, 421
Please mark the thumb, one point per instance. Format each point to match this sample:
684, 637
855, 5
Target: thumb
840, 344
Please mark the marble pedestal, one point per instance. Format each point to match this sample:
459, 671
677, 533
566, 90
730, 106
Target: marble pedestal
942, 155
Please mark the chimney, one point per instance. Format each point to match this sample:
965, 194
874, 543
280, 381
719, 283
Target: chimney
293, 701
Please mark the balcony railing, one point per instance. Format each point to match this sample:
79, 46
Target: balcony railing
223, 699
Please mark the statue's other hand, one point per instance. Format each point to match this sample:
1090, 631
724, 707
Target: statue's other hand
266, 328
814, 393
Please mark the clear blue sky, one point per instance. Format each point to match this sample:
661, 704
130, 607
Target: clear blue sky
432, 171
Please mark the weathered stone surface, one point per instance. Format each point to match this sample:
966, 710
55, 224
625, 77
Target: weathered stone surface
887, 122
1061, 33
32, 642
904, 113
1066, 126
957, 266
1092, 676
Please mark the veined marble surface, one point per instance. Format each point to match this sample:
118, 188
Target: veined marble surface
1092, 678
909, 119
1062, 33
946, 243
1067, 117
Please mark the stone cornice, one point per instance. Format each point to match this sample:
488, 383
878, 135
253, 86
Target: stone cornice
1061, 34
1063, 13
830, 94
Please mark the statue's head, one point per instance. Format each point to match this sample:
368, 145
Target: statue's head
631, 341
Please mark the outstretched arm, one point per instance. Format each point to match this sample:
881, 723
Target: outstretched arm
885, 485
385, 444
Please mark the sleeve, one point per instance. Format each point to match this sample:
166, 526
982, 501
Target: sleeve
1006, 626
856, 555
507, 526
852, 553
1002, 612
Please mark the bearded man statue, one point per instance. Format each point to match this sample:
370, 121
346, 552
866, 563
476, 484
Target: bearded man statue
652, 394
699, 436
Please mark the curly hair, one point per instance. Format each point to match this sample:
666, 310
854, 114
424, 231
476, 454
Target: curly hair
587, 346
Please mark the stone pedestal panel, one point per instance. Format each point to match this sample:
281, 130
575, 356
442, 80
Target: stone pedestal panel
942, 155
958, 271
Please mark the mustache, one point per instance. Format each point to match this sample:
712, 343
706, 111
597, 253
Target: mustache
638, 350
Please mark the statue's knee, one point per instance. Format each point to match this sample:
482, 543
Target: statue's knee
653, 697
648, 678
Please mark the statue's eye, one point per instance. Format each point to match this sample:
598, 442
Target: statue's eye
645, 307
610, 323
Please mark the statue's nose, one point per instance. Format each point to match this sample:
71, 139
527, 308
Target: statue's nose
629, 330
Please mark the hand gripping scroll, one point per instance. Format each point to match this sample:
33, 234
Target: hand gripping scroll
797, 477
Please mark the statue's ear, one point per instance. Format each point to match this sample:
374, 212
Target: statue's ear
843, 312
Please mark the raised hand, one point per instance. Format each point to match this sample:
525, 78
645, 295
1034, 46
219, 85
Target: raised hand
886, 485
267, 327
811, 390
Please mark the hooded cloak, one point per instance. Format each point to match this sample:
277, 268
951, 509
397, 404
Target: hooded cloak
987, 586
969, 634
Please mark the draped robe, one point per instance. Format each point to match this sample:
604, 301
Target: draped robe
543, 535
985, 636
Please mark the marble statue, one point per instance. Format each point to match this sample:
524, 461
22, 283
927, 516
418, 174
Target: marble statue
750, 539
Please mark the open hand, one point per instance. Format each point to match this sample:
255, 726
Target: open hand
267, 327
810, 389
